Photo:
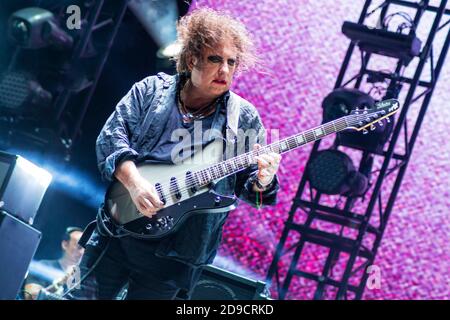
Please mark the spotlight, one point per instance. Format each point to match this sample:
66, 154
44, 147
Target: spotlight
35, 28
383, 42
340, 102
19, 89
169, 51
332, 172
159, 19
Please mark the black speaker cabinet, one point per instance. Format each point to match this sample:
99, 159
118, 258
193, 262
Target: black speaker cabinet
218, 284
18, 244
22, 186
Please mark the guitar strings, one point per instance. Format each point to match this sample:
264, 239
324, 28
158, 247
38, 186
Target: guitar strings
190, 182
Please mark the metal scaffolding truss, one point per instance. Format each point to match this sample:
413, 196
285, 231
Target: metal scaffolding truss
355, 245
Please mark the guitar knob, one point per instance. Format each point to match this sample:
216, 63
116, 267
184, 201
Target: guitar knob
380, 123
163, 222
372, 127
365, 131
388, 120
217, 201
149, 226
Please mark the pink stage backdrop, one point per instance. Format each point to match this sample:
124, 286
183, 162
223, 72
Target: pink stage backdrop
301, 47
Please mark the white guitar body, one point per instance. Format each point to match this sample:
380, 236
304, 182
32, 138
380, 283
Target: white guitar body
121, 208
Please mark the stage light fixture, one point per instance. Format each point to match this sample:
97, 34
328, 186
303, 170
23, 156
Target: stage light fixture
169, 51
21, 93
159, 19
381, 41
340, 102
36, 28
332, 172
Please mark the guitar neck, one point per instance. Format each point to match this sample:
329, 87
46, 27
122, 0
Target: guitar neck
243, 161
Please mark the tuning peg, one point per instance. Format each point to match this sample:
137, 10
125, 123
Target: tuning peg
388, 120
365, 131
380, 123
372, 127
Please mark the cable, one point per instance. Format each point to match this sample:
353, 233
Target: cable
69, 290
377, 8
404, 15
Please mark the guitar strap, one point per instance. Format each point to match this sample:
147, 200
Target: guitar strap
233, 111
107, 227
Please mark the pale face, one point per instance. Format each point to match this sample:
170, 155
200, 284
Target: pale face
214, 75
71, 248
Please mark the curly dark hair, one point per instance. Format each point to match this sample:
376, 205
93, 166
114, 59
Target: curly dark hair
206, 28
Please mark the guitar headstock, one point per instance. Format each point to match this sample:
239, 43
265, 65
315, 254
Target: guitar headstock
360, 120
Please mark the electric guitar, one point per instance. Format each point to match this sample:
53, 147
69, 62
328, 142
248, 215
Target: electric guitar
187, 188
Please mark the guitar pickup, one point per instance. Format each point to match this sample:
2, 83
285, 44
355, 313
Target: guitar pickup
174, 188
190, 181
160, 193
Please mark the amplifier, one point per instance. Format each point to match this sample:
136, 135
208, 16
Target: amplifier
22, 186
219, 284
214, 284
18, 244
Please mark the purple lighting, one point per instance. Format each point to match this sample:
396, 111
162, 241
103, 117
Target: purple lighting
301, 49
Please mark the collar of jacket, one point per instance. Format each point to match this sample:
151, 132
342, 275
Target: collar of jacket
232, 100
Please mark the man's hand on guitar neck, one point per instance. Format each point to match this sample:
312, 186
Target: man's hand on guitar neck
142, 192
268, 165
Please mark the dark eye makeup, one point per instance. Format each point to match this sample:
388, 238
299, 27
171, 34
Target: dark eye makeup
219, 59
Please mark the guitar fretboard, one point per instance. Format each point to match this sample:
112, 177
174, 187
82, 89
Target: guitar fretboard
243, 161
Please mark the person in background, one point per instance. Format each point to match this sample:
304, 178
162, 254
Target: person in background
72, 253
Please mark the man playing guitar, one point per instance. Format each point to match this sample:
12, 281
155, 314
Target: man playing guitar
146, 126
